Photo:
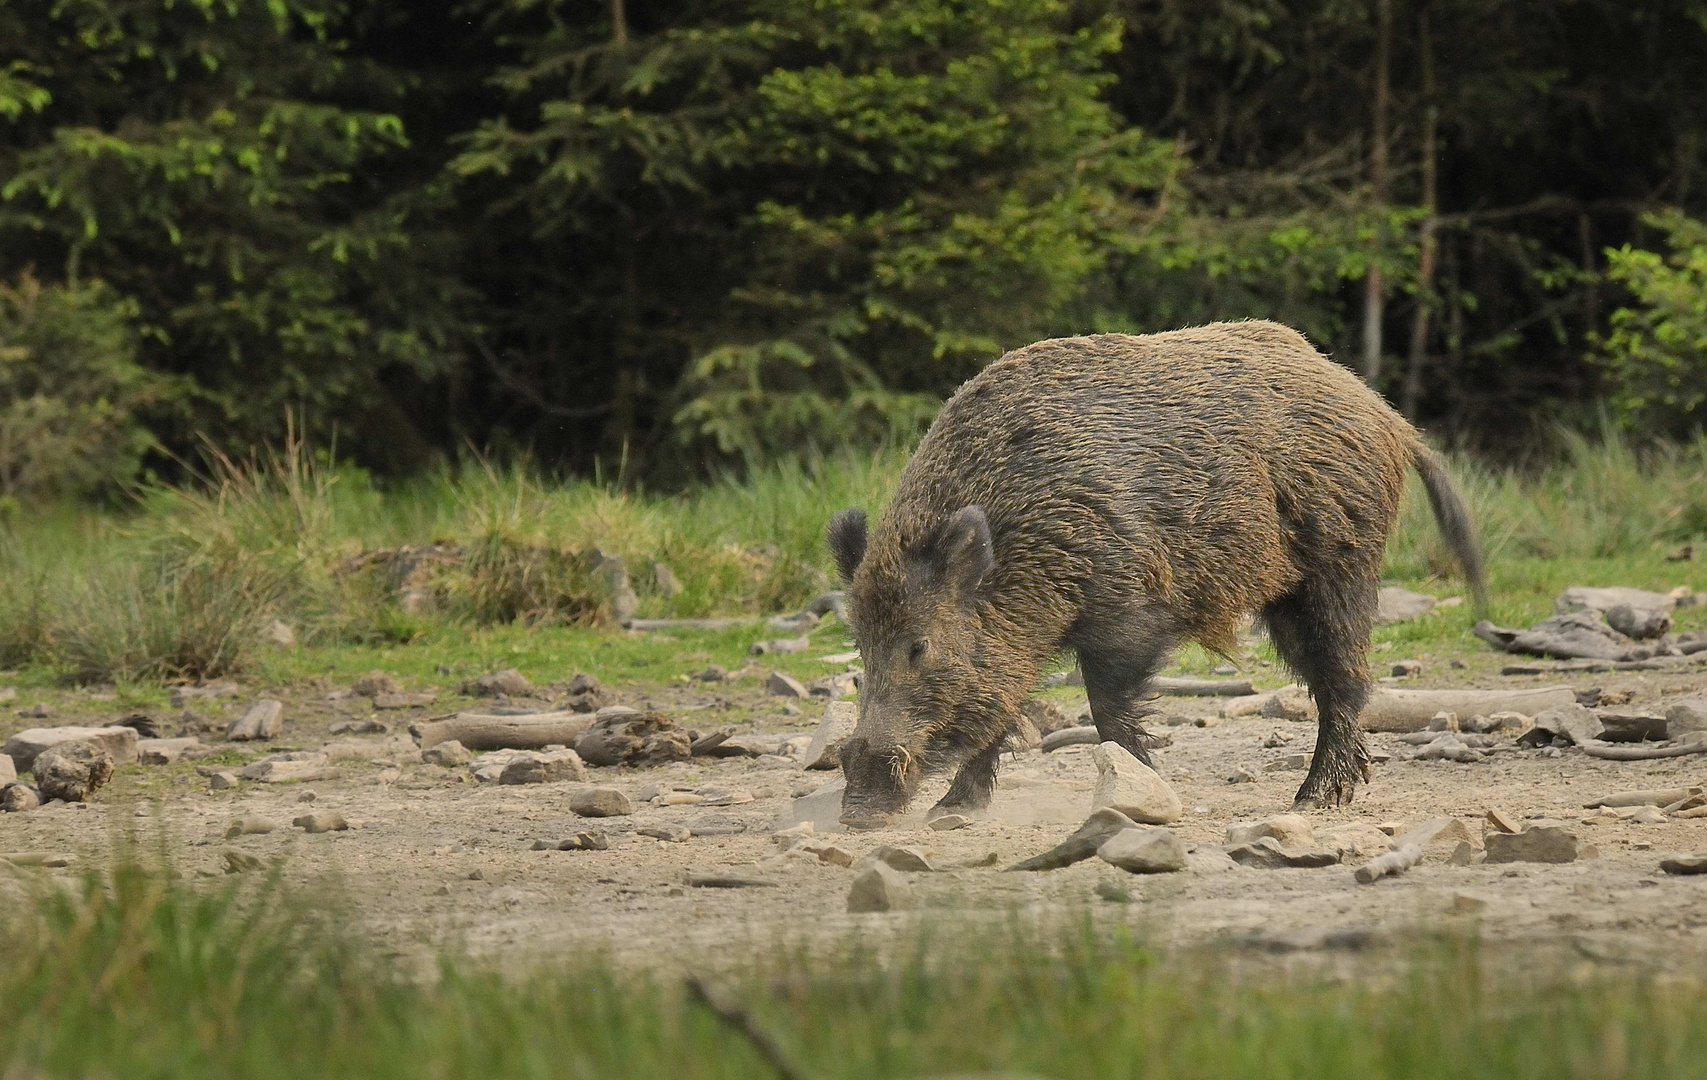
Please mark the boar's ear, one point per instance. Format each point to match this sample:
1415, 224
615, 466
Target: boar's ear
847, 541
963, 552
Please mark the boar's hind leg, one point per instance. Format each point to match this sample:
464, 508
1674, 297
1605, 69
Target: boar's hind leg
1321, 630
972, 785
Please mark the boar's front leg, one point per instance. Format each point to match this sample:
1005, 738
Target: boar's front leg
1117, 676
973, 784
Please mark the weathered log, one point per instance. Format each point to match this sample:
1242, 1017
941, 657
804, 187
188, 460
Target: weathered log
482, 731
1407, 852
1660, 797
1202, 687
1632, 752
1073, 736
1411, 710
685, 624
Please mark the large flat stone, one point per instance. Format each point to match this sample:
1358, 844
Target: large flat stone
1542, 842
1144, 851
1128, 785
118, 742
840, 718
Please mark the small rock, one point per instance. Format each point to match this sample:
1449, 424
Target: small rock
262, 720
509, 682
600, 802
164, 751
1291, 830
1128, 785
632, 738
714, 673
949, 822
449, 754
1268, 854
833, 854
545, 768
1407, 669
780, 645
1695, 863
1542, 842
1144, 851
38, 711
375, 683
118, 743
1647, 815
1394, 604
1275, 739
1686, 717
16, 798
403, 701
236, 862
248, 825
836, 687
1443, 721
586, 841
878, 888
822, 807
1640, 624
674, 834
321, 821
782, 684
72, 771
8, 771
1504, 822
908, 860
1098, 828
1462, 854
1289, 763
1466, 904
1242, 775
665, 581
1291, 703
222, 779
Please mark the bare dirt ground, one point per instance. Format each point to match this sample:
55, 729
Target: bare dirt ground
433, 859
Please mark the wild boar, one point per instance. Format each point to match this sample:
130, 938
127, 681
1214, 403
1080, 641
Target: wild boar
1117, 495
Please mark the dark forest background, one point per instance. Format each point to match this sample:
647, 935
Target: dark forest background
669, 237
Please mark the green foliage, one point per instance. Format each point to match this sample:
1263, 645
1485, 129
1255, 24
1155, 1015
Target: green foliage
71, 391
1656, 353
135, 971
207, 161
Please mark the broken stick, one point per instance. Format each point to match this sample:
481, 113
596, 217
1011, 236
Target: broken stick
1407, 852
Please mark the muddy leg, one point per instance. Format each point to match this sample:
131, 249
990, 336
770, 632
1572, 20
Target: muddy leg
1321, 630
972, 785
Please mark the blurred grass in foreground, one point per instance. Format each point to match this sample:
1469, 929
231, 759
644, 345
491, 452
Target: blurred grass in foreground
181, 586
131, 974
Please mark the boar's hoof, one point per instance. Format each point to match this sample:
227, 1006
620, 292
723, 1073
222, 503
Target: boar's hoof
865, 821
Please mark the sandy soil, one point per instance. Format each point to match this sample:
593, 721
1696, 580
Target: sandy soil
434, 859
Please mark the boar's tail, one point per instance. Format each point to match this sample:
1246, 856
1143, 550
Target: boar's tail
1454, 520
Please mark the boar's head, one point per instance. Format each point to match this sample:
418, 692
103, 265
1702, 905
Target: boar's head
913, 604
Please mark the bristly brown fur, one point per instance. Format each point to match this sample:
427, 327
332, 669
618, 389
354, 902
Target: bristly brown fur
1141, 491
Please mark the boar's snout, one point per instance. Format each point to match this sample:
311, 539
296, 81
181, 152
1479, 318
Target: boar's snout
880, 783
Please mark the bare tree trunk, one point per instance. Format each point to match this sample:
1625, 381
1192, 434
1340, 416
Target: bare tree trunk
1426, 297
619, 23
1591, 290
1374, 288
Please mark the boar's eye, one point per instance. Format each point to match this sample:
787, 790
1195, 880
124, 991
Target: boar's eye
917, 652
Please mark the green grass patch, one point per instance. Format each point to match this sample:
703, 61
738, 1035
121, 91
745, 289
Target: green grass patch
182, 586
133, 973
